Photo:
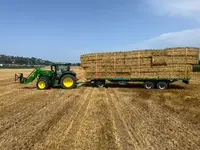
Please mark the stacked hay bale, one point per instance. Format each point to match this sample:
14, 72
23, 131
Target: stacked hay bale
167, 63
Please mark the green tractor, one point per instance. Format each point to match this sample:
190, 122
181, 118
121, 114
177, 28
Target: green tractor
60, 75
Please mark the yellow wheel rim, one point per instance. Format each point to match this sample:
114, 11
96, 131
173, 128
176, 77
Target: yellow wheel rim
68, 82
41, 84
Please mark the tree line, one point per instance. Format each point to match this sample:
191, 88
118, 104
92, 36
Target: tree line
15, 60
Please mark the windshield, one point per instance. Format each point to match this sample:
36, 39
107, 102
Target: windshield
62, 68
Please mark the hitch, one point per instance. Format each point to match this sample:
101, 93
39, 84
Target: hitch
19, 77
80, 83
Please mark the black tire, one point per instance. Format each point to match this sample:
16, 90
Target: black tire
162, 85
100, 83
71, 83
42, 84
48, 81
148, 85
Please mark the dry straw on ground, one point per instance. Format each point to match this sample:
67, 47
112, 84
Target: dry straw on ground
123, 118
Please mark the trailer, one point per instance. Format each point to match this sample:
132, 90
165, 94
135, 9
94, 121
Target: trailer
160, 83
153, 68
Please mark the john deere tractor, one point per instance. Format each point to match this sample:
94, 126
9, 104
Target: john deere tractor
60, 75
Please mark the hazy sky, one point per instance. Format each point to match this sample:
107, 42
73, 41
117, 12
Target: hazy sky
62, 30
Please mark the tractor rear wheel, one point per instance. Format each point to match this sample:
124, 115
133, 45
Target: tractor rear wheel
42, 84
68, 81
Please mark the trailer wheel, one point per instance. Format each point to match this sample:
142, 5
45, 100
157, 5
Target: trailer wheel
162, 85
148, 85
100, 83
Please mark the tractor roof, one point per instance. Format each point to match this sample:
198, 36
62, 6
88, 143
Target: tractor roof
57, 64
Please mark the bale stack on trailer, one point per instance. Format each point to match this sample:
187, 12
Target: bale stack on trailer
166, 63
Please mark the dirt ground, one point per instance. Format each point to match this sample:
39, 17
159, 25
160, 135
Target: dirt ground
87, 118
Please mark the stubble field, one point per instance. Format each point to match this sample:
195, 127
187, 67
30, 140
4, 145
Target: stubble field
117, 117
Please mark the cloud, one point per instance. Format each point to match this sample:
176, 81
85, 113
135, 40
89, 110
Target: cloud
173, 39
186, 8
182, 8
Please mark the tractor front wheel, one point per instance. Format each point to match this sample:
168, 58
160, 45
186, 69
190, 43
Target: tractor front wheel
42, 84
68, 82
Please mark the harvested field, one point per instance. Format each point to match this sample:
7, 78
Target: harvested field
117, 117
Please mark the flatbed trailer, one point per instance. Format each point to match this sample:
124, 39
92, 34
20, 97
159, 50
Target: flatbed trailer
149, 83
154, 68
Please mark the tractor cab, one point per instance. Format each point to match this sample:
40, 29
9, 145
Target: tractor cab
63, 75
59, 69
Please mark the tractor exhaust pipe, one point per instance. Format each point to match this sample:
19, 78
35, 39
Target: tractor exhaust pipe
19, 77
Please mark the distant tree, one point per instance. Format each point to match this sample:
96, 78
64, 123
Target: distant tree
77, 64
22, 60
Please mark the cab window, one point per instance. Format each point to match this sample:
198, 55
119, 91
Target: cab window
53, 68
61, 68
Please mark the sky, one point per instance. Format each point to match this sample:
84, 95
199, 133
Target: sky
62, 30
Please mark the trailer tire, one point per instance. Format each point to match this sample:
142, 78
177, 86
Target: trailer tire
162, 85
148, 85
100, 83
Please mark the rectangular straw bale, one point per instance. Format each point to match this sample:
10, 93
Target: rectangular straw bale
159, 60
138, 61
149, 69
180, 67
181, 51
160, 75
138, 75
94, 75
140, 53
173, 74
142, 69
135, 68
141, 75
182, 60
159, 53
119, 75
172, 68
104, 56
109, 69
